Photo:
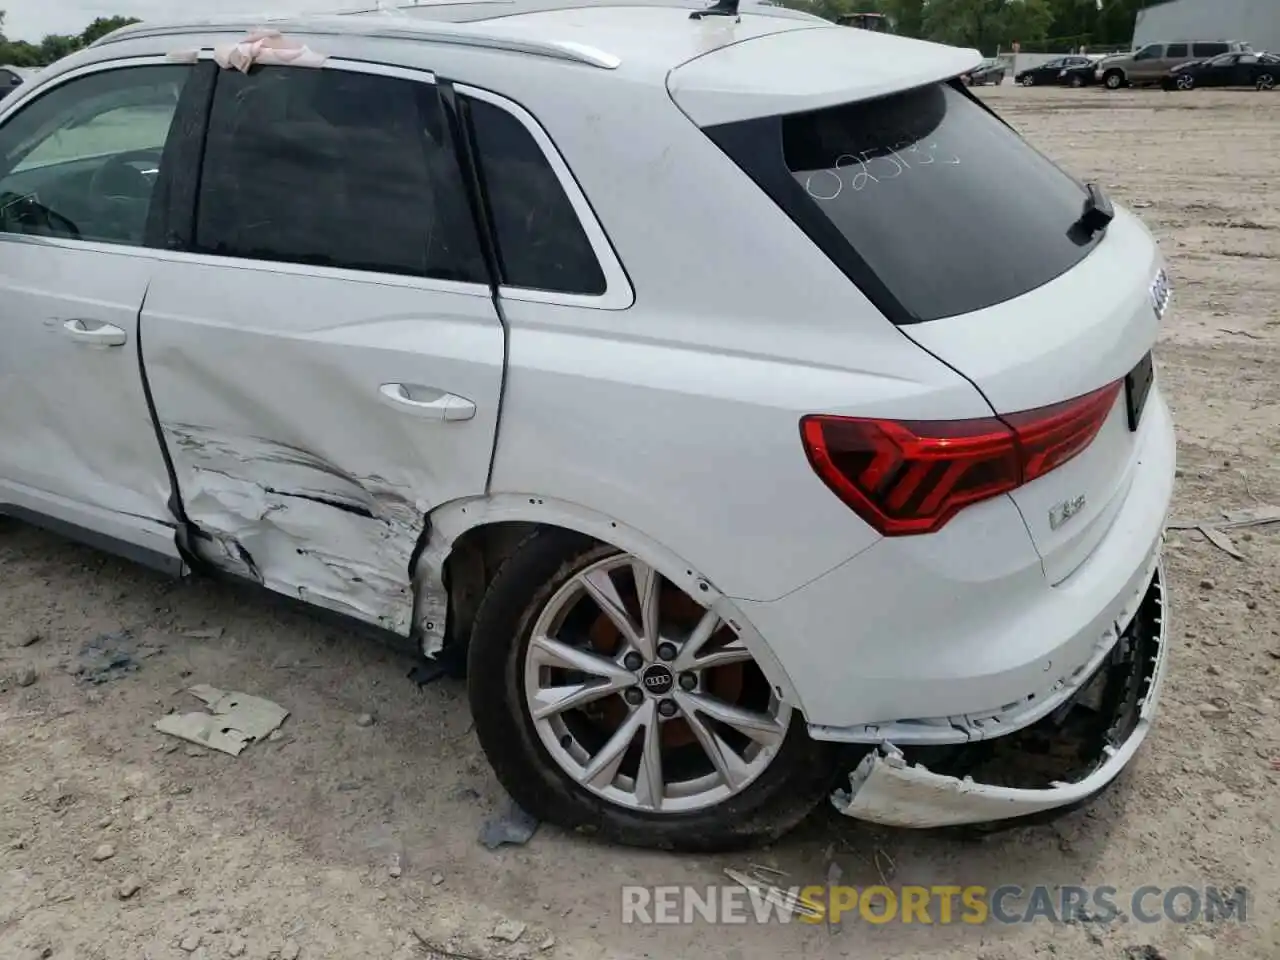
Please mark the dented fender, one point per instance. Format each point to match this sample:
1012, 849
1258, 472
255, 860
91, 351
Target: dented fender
450, 521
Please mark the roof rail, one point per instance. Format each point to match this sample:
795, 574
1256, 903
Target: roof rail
379, 27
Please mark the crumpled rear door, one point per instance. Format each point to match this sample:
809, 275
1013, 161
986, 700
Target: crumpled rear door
327, 365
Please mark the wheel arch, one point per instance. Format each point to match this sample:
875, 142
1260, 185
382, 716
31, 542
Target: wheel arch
467, 540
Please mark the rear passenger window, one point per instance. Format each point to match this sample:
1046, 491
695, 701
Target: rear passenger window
541, 243
336, 169
1208, 49
1176, 50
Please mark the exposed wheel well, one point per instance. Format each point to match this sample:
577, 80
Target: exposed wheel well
470, 568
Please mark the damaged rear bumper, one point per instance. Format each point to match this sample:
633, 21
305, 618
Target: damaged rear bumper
887, 787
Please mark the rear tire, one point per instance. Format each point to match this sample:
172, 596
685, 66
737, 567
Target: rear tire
1077, 82
1266, 82
1028, 81
527, 591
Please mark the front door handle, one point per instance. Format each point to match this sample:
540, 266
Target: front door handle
99, 334
427, 402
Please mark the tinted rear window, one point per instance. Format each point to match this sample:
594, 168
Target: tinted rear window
1208, 49
1176, 50
926, 200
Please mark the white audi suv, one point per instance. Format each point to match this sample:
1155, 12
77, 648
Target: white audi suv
747, 411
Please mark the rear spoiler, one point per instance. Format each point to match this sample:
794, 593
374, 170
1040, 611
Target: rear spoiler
805, 69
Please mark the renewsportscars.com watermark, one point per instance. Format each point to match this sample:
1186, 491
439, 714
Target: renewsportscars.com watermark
937, 905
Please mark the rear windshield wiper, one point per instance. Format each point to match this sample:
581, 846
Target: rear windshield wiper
1097, 213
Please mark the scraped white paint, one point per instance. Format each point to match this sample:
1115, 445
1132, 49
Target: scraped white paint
267, 383
301, 526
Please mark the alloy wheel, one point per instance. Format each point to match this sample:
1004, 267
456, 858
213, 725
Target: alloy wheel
1266, 82
645, 697
1185, 81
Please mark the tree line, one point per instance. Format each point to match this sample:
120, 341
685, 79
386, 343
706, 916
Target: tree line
1044, 25
21, 53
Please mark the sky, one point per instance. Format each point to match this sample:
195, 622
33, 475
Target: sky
32, 19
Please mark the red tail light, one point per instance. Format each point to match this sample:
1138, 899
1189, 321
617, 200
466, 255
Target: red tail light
909, 476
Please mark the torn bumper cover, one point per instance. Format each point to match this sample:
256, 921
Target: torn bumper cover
1099, 731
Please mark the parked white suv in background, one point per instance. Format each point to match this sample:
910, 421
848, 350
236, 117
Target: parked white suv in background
753, 409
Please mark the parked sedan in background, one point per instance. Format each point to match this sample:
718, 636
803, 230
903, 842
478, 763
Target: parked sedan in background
1081, 74
1258, 70
990, 71
1048, 73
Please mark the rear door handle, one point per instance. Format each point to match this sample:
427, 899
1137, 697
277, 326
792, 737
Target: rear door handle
99, 334
427, 402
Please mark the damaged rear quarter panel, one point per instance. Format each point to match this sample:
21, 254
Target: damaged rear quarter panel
293, 468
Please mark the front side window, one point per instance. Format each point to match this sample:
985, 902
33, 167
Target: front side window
1152, 52
334, 168
541, 243
81, 161
925, 199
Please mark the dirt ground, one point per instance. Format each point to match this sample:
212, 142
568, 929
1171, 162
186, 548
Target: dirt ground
344, 839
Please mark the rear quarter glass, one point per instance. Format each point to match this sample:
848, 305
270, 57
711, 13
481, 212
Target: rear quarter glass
924, 198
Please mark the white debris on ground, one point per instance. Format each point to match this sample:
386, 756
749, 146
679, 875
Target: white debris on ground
235, 720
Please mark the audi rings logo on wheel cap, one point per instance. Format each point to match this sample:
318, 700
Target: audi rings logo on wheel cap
658, 680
